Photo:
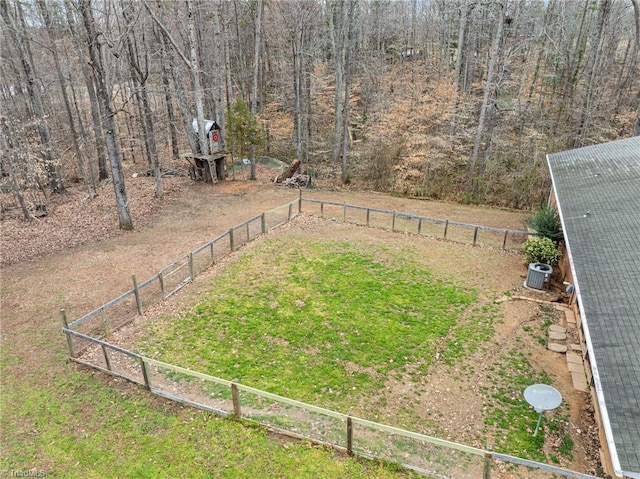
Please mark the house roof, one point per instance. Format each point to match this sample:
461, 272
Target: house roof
598, 195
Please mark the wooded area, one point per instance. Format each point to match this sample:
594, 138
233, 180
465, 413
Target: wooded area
456, 99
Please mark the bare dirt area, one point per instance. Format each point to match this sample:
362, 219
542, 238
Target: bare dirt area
76, 259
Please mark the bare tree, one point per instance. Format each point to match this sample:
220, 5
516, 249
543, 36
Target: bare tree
337, 32
52, 34
591, 71
194, 64
495, 50
219, 72
254, 85
8, 150
87, 76
140, 73
465, 8
107, 107
13, 21
348, 66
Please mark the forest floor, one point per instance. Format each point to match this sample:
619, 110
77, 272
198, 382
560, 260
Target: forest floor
76, 259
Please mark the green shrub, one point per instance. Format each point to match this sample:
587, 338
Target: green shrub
541, 250
546, 222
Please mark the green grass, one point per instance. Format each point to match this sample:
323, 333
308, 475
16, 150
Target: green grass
566, 446
86, 426
510, 414
322, 322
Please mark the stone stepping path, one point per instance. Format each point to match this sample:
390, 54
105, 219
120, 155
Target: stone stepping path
573, 352
557, 347
576, 369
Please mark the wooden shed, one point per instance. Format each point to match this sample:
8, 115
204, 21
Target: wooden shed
210, 168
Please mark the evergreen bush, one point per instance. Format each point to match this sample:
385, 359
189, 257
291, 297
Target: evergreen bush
541, 250
546, 223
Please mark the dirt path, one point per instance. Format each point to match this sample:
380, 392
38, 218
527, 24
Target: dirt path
96, 270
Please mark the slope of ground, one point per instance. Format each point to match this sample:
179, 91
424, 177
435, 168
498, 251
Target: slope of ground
57, 417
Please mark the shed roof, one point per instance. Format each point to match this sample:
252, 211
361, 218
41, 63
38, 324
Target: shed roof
208, 125
598, 195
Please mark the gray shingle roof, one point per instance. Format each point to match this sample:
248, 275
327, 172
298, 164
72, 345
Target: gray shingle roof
598, 193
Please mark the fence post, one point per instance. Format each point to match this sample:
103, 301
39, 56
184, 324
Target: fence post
263, 223
368, 214
488, 459
504, 240
231, 240
63, 313
136, 291
290, 211
344, 211
446, 226
190, 259
419, 225
106, 357
248, 234
105, 323
349, 434
475, 236
393, 223
300, 201
143, 366
213, 257
235, 396
321, 209
161, 281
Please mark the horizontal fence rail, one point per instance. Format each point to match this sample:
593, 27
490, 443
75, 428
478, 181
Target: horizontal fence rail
420, 225
433, 457
428, 455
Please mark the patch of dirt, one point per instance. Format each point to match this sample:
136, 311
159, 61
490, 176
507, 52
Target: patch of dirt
77, 259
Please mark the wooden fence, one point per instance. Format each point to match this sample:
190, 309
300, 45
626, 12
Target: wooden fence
474, 234
118, 312
431, 456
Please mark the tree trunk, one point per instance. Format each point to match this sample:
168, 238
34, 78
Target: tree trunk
289, 173
117, 174
229, 95
536, 69
464, 14
18, 35
8, 146
307, 104
240, 54
254, 85
166, 87
87, 75
487, 92
336, 32
140, 75
591, 73
349, 41
51, 33
176, 74
198, 94
297, 46
218, 75
83, 137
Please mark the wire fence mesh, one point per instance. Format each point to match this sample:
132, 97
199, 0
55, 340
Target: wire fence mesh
430, 456
477, 235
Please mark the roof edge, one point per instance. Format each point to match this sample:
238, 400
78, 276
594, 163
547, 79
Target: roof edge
604, 414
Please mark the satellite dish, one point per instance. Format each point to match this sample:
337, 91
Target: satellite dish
543, 398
